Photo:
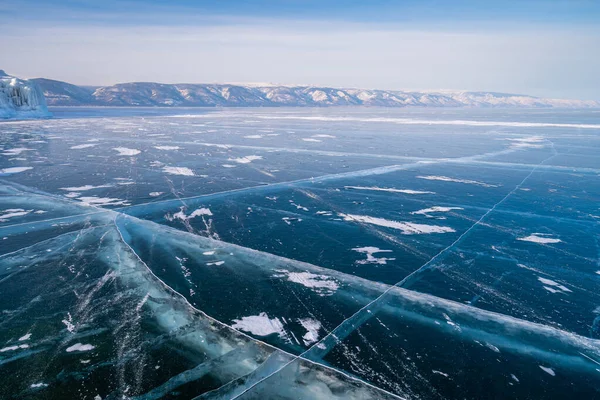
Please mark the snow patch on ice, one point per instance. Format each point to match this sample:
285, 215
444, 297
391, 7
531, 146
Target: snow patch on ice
38, 385
167, 147
84, 188
312, 327
531, 142
124, 151
298, 206
15, 151
539, 238
259, 325
492, 347
548, 370
13, 170
325, 213
80, 347
83, 146
553, 287
183, 217
324, 285
102, 201
289, 220
245, 160
9, 213
12, 348
448, 179
185, 171
69, 323
407, 228
369, 251
436, 209
391, 190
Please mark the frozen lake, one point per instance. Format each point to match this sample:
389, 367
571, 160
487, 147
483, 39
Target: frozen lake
300, 254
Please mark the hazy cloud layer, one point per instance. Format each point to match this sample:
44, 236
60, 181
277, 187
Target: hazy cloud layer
541, 61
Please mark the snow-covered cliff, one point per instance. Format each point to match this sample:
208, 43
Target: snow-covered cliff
150, 94
20, 98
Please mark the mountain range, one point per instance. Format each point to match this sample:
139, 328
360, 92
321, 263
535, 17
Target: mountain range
152, 94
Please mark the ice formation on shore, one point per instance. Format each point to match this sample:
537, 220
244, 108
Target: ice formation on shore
21, 98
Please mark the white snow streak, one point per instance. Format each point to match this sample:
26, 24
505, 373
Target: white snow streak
407, 228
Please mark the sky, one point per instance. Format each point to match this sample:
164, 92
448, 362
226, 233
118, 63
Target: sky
546, 48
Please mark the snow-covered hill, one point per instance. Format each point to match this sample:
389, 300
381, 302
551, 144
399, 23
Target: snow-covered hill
230, 95
21, 98
65, 94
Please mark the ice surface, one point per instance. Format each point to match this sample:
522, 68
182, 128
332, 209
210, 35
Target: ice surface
309, 270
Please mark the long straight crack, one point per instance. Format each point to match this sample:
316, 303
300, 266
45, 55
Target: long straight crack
349, 325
